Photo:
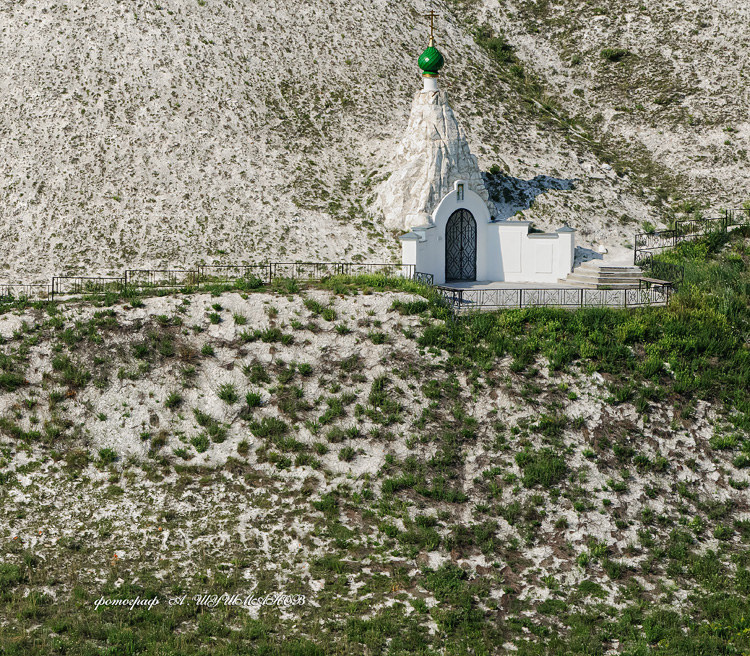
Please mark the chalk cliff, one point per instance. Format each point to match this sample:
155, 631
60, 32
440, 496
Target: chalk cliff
433, 154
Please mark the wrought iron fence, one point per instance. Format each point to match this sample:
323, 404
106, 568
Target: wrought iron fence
160, 278
424, 278
686, 230
74, 285
738, 216
320, 270
219, 273
699, 227
179, 278
645, 242
503, 298
13, 292
672, 273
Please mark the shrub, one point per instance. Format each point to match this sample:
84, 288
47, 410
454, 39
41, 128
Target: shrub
228, 393
327, 504
215, 430
200, 442
497, 46
257, 373
269, 427
173, 400
249, 282
70, 373
107, 456
614, 54
346, 454
377, 337
253, 399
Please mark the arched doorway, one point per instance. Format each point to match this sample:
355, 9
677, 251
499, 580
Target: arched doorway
461, 246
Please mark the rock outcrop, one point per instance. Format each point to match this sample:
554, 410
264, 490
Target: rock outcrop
433, 154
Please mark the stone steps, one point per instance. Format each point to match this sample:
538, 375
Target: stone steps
595, 276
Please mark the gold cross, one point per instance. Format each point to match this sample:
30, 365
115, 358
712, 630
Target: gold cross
432, 15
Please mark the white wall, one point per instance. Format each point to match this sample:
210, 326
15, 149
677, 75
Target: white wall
505, 249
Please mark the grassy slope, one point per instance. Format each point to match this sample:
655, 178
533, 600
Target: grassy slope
551, 479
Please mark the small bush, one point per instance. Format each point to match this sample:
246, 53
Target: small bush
346, 454
10, 382
269, 427
228, 393
614, 54
173, 400
215, 430
253, 399
70, 373
256, 373
200, 442
107, 456
377, 338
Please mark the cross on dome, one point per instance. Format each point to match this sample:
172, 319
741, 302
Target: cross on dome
431, 60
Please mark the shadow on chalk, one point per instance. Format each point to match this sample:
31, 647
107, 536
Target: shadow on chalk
511, 195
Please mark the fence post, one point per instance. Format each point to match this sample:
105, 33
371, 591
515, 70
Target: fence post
580, 295
52, 290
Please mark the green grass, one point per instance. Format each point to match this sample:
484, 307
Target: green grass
173, 400
700, 335
228, 393
452, 475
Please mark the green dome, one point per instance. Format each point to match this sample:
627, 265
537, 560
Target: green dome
431, 61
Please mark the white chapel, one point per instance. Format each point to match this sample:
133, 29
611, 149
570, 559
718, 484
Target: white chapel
437, 194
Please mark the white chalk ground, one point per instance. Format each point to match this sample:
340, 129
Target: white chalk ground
214, 523
178, 132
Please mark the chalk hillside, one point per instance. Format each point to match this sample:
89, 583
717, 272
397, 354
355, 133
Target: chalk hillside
144, 134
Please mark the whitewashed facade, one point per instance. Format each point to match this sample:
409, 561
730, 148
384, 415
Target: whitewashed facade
461, 242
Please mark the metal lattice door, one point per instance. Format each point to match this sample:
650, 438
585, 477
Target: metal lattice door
461, 246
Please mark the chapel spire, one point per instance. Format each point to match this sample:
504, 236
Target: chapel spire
431, 60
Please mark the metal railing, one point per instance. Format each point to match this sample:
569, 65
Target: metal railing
76, 285
424, 278
13, 292
160, 278
320, 270
738, 216
503, 298
143, 279
672, 273
224, 273
686, 230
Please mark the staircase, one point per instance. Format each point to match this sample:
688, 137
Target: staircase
594, 275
